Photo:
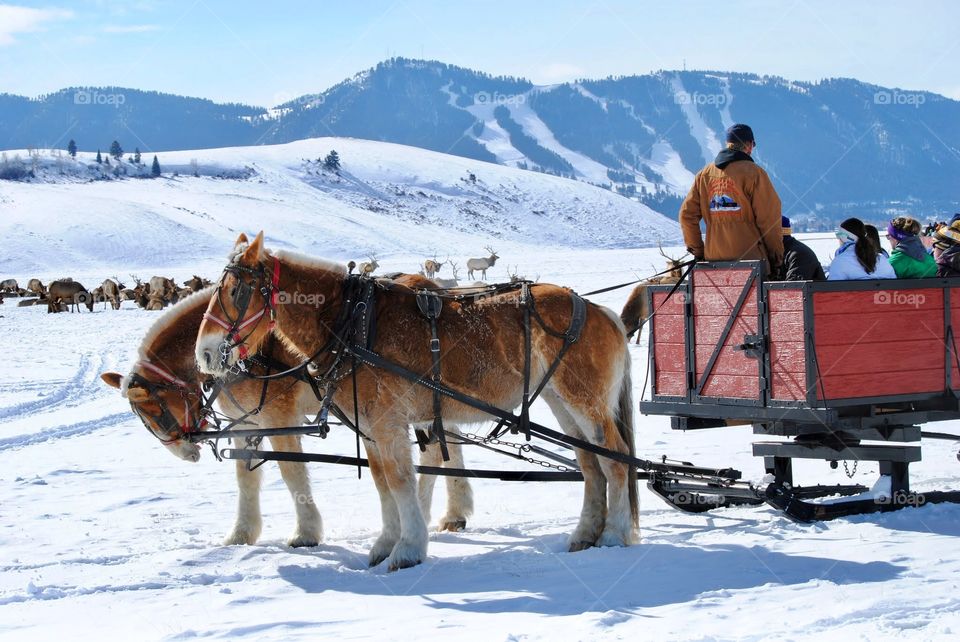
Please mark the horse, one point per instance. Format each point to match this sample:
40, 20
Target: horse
482, 356
636, 310
164, 390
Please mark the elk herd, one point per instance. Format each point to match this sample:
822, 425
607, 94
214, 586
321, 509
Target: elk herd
66, 294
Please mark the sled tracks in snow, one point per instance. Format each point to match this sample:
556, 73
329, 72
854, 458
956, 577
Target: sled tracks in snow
82, 388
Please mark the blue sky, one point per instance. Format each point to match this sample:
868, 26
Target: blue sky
265, 53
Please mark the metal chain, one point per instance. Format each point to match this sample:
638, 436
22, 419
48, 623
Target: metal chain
520, 448
847, 470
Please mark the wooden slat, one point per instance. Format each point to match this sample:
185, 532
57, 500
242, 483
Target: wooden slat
788, 386
720, 277
881, 383
869, 301
788, 356
897, 360
720, 301
889, 325
786, 326
784, 300
671, 383
732, 386
730, 361
708, 330
673, 305
670, 357
668, 329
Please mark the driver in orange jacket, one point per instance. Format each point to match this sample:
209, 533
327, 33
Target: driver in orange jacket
739, 205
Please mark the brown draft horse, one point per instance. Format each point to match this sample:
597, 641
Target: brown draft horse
164, 390
482, 348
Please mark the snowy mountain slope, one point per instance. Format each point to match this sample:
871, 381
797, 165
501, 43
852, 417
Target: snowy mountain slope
387, 199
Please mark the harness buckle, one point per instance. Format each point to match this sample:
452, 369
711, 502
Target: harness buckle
435, 345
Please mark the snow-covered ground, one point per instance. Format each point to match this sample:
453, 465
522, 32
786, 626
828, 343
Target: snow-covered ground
103, 534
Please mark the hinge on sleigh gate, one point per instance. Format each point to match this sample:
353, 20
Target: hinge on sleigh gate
431, 305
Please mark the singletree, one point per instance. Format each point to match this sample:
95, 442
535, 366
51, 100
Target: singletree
99, 158
155, 170
332, 161
136, 155
115, 150
72, 148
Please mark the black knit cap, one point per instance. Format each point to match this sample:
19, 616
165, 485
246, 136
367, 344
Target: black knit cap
740, 133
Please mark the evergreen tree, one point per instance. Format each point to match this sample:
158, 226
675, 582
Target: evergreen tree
332, 161
99, 158
115, 150
107, 161
155, 170
136, 155
72, 148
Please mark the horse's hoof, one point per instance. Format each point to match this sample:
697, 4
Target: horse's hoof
240, 539
380, 551
303, 541
580, 546
611, 539
406, 554
452, 524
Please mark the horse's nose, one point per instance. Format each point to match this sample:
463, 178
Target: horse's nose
208, 357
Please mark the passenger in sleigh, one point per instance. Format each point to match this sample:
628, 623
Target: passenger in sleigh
910, 259
946, 249
800, 263
857, 258
874, 234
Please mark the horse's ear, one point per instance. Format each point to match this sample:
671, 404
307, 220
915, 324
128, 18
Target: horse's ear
252, 254
137, 395
241, 239
112, 379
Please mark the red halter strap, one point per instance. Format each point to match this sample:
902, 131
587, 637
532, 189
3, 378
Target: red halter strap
172, 379
269, 307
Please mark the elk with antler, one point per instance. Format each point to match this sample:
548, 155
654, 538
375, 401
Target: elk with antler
637, 309
450, 283
431, 267
482, 264
368, 267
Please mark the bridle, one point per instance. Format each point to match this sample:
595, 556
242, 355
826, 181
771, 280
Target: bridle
240, 297
165, 420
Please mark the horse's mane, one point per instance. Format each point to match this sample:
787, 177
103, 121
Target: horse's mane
302, 260
289, 256
173, 313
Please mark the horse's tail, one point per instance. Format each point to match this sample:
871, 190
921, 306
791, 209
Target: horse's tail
634, 310
624, 421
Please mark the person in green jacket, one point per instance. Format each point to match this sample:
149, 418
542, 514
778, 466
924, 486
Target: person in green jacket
910, 259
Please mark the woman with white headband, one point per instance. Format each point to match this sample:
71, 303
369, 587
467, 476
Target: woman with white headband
856, 257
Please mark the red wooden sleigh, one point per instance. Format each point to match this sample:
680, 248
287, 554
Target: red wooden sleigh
847, 370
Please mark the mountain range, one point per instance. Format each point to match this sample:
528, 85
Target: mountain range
834, 148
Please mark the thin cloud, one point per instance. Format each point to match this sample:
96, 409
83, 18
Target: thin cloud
130, 28
17, 20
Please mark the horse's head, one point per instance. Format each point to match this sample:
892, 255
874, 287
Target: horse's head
241, 311
168, 406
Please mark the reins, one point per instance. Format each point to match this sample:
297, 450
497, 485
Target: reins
683, 264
